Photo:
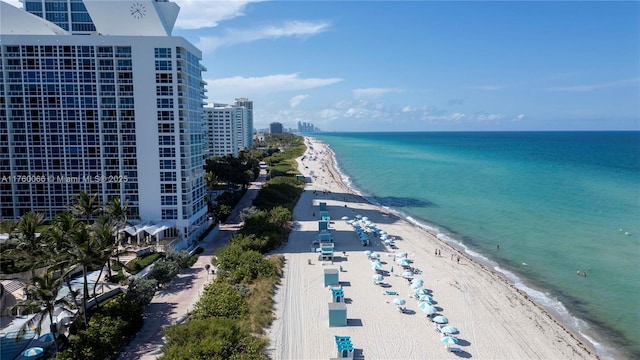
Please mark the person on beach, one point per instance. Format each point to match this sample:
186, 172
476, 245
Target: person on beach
436, 252
458, 258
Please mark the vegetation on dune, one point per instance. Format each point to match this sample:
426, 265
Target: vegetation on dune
229, 320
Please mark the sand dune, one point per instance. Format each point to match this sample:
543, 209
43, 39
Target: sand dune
495, 320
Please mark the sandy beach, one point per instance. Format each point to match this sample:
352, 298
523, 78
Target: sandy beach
494, 319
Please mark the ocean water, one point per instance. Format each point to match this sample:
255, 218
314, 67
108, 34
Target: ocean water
555, 203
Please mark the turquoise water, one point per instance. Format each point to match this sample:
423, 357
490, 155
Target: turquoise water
555, 203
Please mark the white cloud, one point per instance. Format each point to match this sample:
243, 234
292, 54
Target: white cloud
407, 109
197, 14
592, 87
251, 86
520, 117
296, 100
374, 92
239, 36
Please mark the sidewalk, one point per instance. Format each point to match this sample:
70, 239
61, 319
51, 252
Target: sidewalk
172, 304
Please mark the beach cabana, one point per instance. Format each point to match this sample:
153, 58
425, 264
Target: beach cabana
337, 295
337, 314
323, 206
323, 225
324, 215
331, 277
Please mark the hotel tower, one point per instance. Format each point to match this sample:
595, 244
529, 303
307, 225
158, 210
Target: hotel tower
106, 101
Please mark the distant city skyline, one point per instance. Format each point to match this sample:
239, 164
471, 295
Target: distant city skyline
422, 65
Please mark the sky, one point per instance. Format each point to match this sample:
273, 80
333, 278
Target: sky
422, 65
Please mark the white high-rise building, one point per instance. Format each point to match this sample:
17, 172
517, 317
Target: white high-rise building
245, 129
117, 113
230, 127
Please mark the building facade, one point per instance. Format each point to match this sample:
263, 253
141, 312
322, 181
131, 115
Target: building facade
276, 128
117, 113
230, 127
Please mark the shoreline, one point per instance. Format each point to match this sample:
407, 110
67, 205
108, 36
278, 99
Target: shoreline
459, 285
480, 260
554, 308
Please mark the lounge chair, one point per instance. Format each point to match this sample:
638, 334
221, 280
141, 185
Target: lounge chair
390, 292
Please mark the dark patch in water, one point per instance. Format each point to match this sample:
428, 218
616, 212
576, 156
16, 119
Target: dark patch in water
398, 202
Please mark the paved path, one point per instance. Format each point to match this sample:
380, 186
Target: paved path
171, 304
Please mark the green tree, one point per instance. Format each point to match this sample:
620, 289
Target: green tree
41, 294
164, 271
142, 291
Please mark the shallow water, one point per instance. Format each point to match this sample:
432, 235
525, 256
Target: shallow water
555, 203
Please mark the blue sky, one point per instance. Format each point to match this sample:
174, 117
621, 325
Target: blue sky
423, 65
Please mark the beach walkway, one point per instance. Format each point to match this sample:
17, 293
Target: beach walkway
172, 304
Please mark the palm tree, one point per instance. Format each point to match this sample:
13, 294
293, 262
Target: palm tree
118, 212
41, 294
85, 206
59, 237
103, 230
27, 239
84, 252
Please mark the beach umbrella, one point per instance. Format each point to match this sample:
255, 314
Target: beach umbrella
417, 284
391, 270
387, 242
34, 351
407, 274
382, 232
367, 252
449, 340
427, 309
449, 330
399, 301
358, 216
48, 337
440, 319
417, 281
425, 297
421, 292
376, 266
403, 262
365, 218
375, 255
402, 255
378, 277
345, 218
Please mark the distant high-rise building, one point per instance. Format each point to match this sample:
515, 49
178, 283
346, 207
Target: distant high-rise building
117, 113
305, 127
245, 131
230, 127
276, 128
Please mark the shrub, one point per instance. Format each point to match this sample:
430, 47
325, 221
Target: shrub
215, 339
220, 300
136, 265
142, 291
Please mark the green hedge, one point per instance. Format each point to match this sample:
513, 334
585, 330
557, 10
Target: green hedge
136, 265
